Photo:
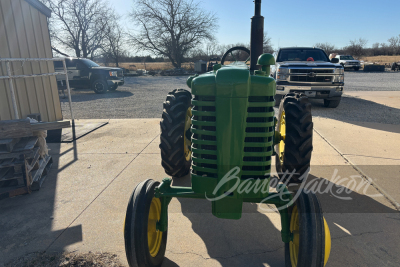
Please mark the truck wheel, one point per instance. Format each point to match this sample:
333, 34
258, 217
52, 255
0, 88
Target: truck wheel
295, 127
114, 87
100, 86
175, 144
311, 244
144, 244
331, 103
278, 99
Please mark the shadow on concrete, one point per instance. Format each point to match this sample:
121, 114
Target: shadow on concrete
26, 220
359, 112
168, 263
254, 240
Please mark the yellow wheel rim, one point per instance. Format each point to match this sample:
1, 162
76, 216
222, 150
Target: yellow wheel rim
154, 236
187, 142
327, 242
282, 132
295, 230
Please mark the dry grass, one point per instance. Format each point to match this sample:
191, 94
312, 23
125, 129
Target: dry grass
382, 59
67, 260
152, 65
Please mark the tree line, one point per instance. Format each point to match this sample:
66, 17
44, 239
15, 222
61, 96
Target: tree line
358, 48
176, 31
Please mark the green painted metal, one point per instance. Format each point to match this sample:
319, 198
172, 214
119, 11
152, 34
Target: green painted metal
233, 130
266, 60
281, 200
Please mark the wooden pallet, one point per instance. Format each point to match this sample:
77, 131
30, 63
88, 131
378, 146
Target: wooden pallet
23, 169
7, 145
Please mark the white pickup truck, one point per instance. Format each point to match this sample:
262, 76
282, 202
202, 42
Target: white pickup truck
309, 71
348, 62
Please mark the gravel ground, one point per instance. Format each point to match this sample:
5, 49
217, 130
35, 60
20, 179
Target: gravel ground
139, 97
72, 259
142, 97
372, 81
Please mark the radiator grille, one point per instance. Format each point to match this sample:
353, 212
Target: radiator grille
204, 140
258, 141
322, 79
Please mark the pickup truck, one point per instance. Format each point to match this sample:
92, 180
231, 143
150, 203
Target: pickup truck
84, 73
308, 70
348, 62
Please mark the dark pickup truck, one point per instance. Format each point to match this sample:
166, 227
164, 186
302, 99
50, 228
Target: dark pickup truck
84, 73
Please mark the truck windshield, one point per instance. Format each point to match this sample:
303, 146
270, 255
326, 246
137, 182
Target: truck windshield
346, 58
89, 63
302, 55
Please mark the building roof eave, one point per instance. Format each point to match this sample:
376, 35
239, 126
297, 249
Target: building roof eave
40, 6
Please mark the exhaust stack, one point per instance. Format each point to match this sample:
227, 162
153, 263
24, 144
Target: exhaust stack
257, 35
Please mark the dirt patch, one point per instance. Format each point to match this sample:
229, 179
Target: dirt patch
382, 59
71, 259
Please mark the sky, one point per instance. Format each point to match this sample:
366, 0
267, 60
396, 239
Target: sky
300, 22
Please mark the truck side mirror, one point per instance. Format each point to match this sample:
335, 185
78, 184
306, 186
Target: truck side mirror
334, 60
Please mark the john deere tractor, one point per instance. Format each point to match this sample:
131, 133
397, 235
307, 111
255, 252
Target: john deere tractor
225, 132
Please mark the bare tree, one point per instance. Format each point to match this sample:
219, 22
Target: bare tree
171, 28
357, 47
112, 47
267, 46
327, 47
394, 44
375, 49
384, 49
79, 25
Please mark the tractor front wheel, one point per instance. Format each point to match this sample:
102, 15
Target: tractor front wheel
144, 244
311, 239
295, 129
175, 139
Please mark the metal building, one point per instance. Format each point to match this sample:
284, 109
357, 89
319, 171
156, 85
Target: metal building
24, 33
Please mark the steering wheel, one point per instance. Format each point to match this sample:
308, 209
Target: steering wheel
229, 52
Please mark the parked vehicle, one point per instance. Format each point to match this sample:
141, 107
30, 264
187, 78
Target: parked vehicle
349, 62
309, 71
212, 62
84, 73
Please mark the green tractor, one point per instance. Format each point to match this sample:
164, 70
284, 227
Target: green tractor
224, 133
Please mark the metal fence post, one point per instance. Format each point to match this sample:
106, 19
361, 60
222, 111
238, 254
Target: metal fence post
10, 81
69, 89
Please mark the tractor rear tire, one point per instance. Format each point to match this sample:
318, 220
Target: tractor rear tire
173, 157
293, 162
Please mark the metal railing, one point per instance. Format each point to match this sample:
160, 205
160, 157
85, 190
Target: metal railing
12, 77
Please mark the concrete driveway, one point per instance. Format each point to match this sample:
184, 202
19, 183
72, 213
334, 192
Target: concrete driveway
81, 206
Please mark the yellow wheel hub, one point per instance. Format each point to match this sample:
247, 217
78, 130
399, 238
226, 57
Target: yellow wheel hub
154, 236
294, 245
282, 132
187, 142
327, 242
295, 230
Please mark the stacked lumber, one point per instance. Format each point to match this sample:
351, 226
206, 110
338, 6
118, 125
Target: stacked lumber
22, 169
23, 165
